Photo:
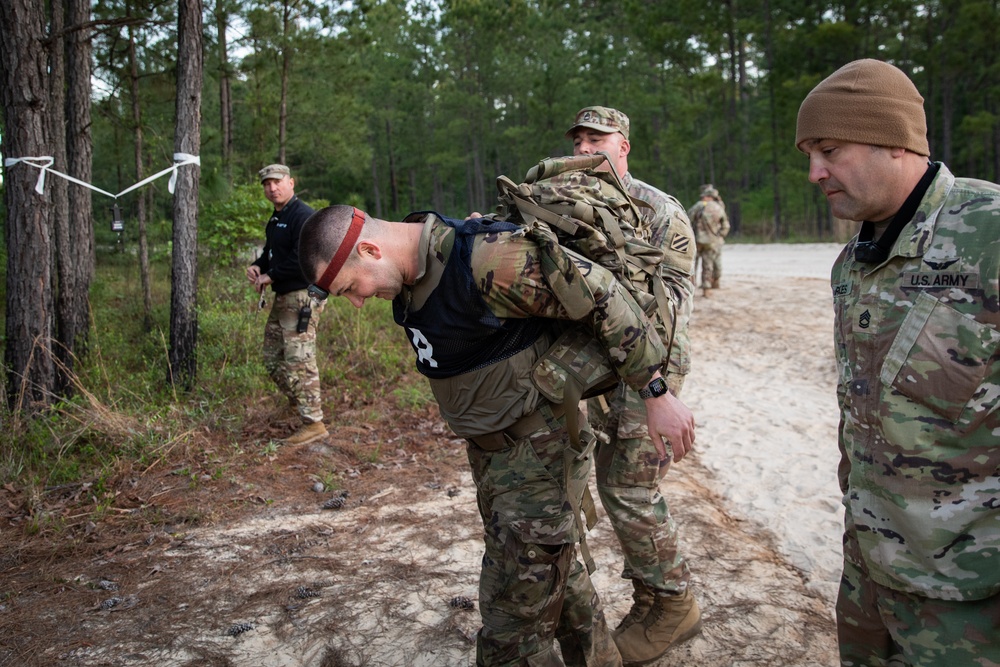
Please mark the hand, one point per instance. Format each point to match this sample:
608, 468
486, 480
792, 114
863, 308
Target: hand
253, 272
263, 280
474, 214
670, 421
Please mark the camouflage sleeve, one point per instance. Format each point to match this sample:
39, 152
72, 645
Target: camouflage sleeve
511, 279
671, 231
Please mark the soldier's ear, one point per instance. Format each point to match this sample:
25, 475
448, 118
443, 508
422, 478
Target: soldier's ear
624, 147
367, 249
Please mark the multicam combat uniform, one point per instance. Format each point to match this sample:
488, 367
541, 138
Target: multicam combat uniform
289, 356
629, 471
711, 226
918, 354
479, 316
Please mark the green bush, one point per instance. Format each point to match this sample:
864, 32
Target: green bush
234, 222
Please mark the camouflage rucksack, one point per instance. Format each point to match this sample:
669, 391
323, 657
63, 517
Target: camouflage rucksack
567, 203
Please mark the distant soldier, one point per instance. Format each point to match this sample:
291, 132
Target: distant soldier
290, 332
711, 227
917, 341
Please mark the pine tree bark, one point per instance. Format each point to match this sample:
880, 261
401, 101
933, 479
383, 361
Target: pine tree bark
57, 191
182, 361
144, 277
75, 321
30, 377
778, 228
225, 91
286, 68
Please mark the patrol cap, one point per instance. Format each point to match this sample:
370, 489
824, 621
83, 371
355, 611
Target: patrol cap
602, 119
276, 171
710, 192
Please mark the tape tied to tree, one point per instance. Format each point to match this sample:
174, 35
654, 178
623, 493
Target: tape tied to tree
44, 164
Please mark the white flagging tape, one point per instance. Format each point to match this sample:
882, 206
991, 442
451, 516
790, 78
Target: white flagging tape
44, 164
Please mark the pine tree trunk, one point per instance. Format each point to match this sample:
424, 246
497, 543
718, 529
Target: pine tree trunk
393, 176
57, 191
225, 92
187, 139
30, 377
79, 155
775, 176
144, 277
286, 67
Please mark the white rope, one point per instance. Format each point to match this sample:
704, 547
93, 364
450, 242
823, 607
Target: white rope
44, 164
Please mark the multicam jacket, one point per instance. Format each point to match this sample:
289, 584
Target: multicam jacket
918, 353
710, 222
506, 271
670, 230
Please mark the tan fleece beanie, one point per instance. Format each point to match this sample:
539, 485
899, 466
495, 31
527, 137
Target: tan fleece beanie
865, 102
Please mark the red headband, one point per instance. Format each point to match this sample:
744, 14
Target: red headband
353, 232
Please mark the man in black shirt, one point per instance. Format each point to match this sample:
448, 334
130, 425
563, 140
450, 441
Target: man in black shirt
290, 332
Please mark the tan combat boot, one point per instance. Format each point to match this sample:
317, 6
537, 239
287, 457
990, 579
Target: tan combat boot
671, 620
307, 433
642, 602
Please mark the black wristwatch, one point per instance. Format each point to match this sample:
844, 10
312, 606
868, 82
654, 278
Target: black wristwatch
658, 387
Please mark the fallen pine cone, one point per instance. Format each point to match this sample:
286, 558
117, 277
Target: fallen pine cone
304, 592
461, 602
239, 629
337, 502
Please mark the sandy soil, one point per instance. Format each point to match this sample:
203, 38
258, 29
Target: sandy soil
251, 569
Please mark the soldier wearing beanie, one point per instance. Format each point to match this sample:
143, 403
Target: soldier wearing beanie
665, 611
917, 341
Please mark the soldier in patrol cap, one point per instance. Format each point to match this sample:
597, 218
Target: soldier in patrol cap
479, 310
629, 468
711, 227
917, 341
290, 331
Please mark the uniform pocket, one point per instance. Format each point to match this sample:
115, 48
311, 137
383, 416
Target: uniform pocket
939, 357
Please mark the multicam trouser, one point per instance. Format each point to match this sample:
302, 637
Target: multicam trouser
290, 357
710, 255
532, 588
881, 627
629, 473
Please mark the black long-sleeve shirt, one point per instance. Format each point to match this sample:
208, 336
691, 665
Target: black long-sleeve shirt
280, 258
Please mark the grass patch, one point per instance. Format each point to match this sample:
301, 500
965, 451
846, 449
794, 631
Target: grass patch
125, 418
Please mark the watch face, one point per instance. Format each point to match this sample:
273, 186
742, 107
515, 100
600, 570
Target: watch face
657, 387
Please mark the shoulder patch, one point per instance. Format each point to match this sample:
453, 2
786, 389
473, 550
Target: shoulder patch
680, 242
